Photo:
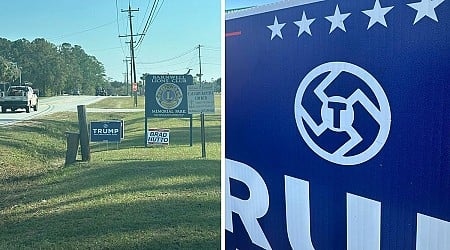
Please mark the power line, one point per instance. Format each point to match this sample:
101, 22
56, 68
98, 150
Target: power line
118, 29
208, 60
145, 14
189, 63
208, 63
172, 58
172, 67
82, 31
151, 17
147, 23
212, 48
157, 12
155, 3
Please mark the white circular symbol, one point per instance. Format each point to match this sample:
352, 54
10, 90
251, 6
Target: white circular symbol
338, 115
169, 96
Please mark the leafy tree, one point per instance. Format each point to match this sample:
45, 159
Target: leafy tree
115, 88
44, 67
51, 68
8, 70
217, 85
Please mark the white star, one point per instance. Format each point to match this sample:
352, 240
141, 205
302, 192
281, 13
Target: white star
425, 8
303, 25
276, 28
377, 14
337, 20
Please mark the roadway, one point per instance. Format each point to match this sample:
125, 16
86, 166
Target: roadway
48, 106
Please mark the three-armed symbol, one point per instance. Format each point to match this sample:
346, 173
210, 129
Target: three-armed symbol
337, 113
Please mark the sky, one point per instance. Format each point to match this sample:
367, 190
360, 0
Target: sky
167, 47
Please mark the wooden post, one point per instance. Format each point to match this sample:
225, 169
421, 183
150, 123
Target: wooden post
84, 135
72, 147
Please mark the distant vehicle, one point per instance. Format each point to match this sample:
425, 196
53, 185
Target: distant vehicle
76, 92
100, 92
19, 97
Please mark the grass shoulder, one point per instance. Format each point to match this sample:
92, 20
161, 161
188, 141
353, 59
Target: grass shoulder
127, 196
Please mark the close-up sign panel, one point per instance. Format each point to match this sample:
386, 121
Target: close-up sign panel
338, 125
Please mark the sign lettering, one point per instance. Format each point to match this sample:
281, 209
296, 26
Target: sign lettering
111, 131
363, 214
158, 136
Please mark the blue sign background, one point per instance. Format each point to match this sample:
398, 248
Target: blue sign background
411, 173
152, 84
110, 137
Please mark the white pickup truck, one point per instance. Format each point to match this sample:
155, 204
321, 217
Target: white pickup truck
17, 97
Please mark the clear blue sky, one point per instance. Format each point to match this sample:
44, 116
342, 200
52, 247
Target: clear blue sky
95, 25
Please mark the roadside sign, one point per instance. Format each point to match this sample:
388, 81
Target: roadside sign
165, 95
355, 97
135, 87
158, 136
200, 99
110, 131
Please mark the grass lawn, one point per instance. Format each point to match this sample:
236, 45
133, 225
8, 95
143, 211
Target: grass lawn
122, 102
126, 197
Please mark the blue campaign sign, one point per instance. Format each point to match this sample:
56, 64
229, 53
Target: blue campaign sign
166, 95
338, 125
111, 131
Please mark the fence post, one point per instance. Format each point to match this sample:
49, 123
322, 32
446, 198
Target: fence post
84, 135
72, 147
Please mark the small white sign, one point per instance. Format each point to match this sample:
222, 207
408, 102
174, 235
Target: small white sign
200, 99
157, 136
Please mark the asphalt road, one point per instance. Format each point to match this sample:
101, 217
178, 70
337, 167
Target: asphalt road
48, 106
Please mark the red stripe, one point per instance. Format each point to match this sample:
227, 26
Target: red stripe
236, 33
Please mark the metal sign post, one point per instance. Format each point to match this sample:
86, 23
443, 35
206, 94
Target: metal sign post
201, 101
203, 135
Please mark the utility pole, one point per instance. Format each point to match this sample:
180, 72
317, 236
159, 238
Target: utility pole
133, 62
127, 81
202, 115
200, 63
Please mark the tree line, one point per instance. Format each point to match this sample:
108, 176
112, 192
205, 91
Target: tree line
53, 69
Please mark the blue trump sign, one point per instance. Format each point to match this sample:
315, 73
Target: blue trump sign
355, 96
111, 131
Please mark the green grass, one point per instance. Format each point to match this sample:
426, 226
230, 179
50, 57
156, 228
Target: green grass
127, 198
122, 102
